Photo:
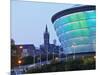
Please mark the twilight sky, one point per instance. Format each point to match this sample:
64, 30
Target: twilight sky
28, 21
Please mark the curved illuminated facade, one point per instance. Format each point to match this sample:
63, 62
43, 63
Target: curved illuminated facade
76, 29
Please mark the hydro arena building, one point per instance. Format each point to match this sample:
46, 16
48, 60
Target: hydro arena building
76, 29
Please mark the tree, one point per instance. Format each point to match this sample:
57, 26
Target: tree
27, 60
14, 57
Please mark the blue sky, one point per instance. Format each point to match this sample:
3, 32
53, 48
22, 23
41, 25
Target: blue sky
28, 21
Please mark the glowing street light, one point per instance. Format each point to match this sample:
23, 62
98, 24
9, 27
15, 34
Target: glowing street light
20, 47
94, 57
42, 64
56, 58
19, 61
53, 55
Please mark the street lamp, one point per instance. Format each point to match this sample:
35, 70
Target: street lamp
53, 55
66, 56
19, 62
59, 53
74, 46
20, 54
56, 58
94, 57
42, 64
20, 47
54, 52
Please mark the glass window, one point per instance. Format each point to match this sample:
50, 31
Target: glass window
81, 16
65, 29
91, 22
59, 32
90, 14
73, 17
70, 27
75, 25
92, 31
64, 37
85, 32
83, 24
25, 52
76, 33
61, 21
68, 35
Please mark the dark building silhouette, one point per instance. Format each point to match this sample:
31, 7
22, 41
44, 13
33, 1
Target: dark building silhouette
26, 49
46, 49
46, 36
47, 46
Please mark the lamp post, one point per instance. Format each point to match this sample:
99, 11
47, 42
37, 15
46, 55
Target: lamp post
54, 52
56, 59
59, 53
74, 46
53, 55
19, 62
20, 53
66, 56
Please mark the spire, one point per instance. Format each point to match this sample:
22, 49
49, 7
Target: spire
46, 36
46, 29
